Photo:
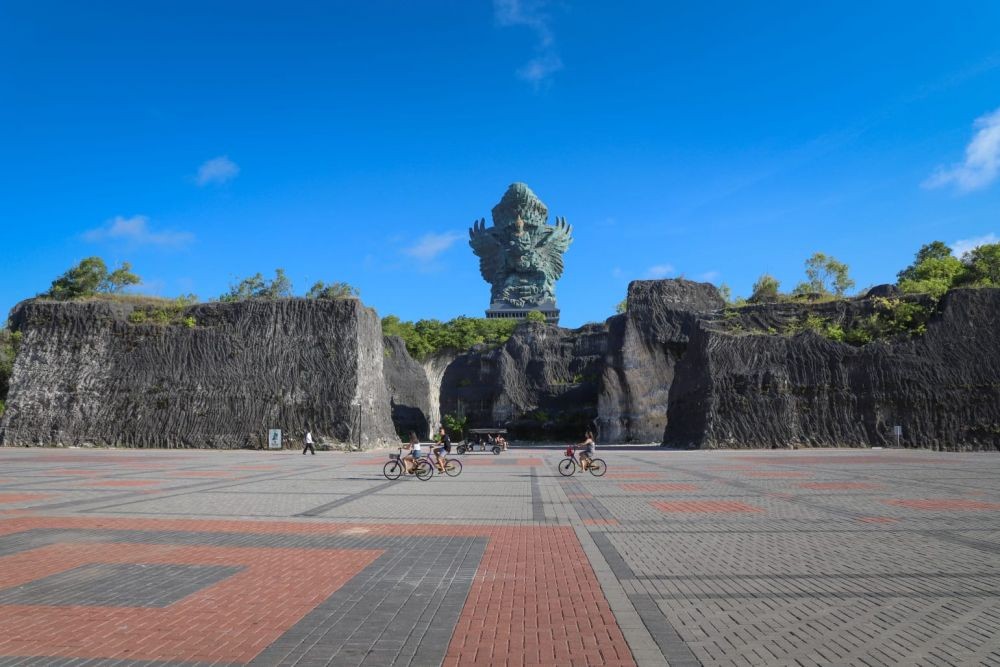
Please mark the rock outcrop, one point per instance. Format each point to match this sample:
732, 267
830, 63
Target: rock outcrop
644, 346
414, 388
409, 389
756, 389
678, 368
86, 373
542, 382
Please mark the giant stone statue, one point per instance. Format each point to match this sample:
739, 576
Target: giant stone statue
521, 255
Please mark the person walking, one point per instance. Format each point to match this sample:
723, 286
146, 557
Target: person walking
308, 443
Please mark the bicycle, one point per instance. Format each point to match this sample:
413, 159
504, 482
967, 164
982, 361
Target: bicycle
450, 467
394, 469
569, 465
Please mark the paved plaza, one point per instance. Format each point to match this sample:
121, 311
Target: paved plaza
816, 557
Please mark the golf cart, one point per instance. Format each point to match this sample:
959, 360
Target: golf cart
484, 439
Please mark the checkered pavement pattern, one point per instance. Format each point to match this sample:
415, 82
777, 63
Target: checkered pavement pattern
821, 557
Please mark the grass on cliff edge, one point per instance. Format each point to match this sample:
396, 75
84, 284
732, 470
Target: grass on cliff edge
891, 317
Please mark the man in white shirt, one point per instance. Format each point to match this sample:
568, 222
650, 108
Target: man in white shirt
309, 443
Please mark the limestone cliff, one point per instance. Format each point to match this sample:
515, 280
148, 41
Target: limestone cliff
680, 369
753, 389
542, 382
86, 373
644, 346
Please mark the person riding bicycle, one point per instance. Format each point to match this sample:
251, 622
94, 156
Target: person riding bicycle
588, 452
443, 447
410, 460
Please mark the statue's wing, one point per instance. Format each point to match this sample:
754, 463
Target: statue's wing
553, 244
486, 246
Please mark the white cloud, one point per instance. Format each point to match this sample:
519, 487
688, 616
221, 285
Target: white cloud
537, 70
982, 159
217, 171
659, 271
531, 14
962, 246
430, 246
136, 231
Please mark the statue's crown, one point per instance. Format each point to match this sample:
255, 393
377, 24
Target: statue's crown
519, 200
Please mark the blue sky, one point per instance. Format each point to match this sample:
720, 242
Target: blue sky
358, 141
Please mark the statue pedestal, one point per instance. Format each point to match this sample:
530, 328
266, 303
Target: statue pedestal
507, 311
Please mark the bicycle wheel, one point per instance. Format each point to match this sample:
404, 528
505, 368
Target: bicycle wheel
597, 467
392, 470
567, 467
453, 467
496, 449
424, 470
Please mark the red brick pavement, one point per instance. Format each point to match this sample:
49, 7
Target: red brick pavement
202, 473
656, 487
874, 458
722, 506
634, 475
21, 497
778, 474
534, 600
948, 504
837, 486
230, 621
122, 483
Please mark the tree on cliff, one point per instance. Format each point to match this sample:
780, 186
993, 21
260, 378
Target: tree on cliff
935, 250
982, 265
934, 271
257, 287
427, 337
825, 275
91, 277
323, 290
765, 289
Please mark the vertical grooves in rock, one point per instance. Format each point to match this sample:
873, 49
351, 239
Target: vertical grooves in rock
88, 375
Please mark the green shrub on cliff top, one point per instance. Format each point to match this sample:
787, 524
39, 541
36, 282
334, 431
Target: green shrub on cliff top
323, 290
825, 275
425, 338
765, 289
935, 270
257, 287
91, 277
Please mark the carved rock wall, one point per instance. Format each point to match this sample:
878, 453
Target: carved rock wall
644, 345
675, 368
749, 390
85, 374
541, 383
